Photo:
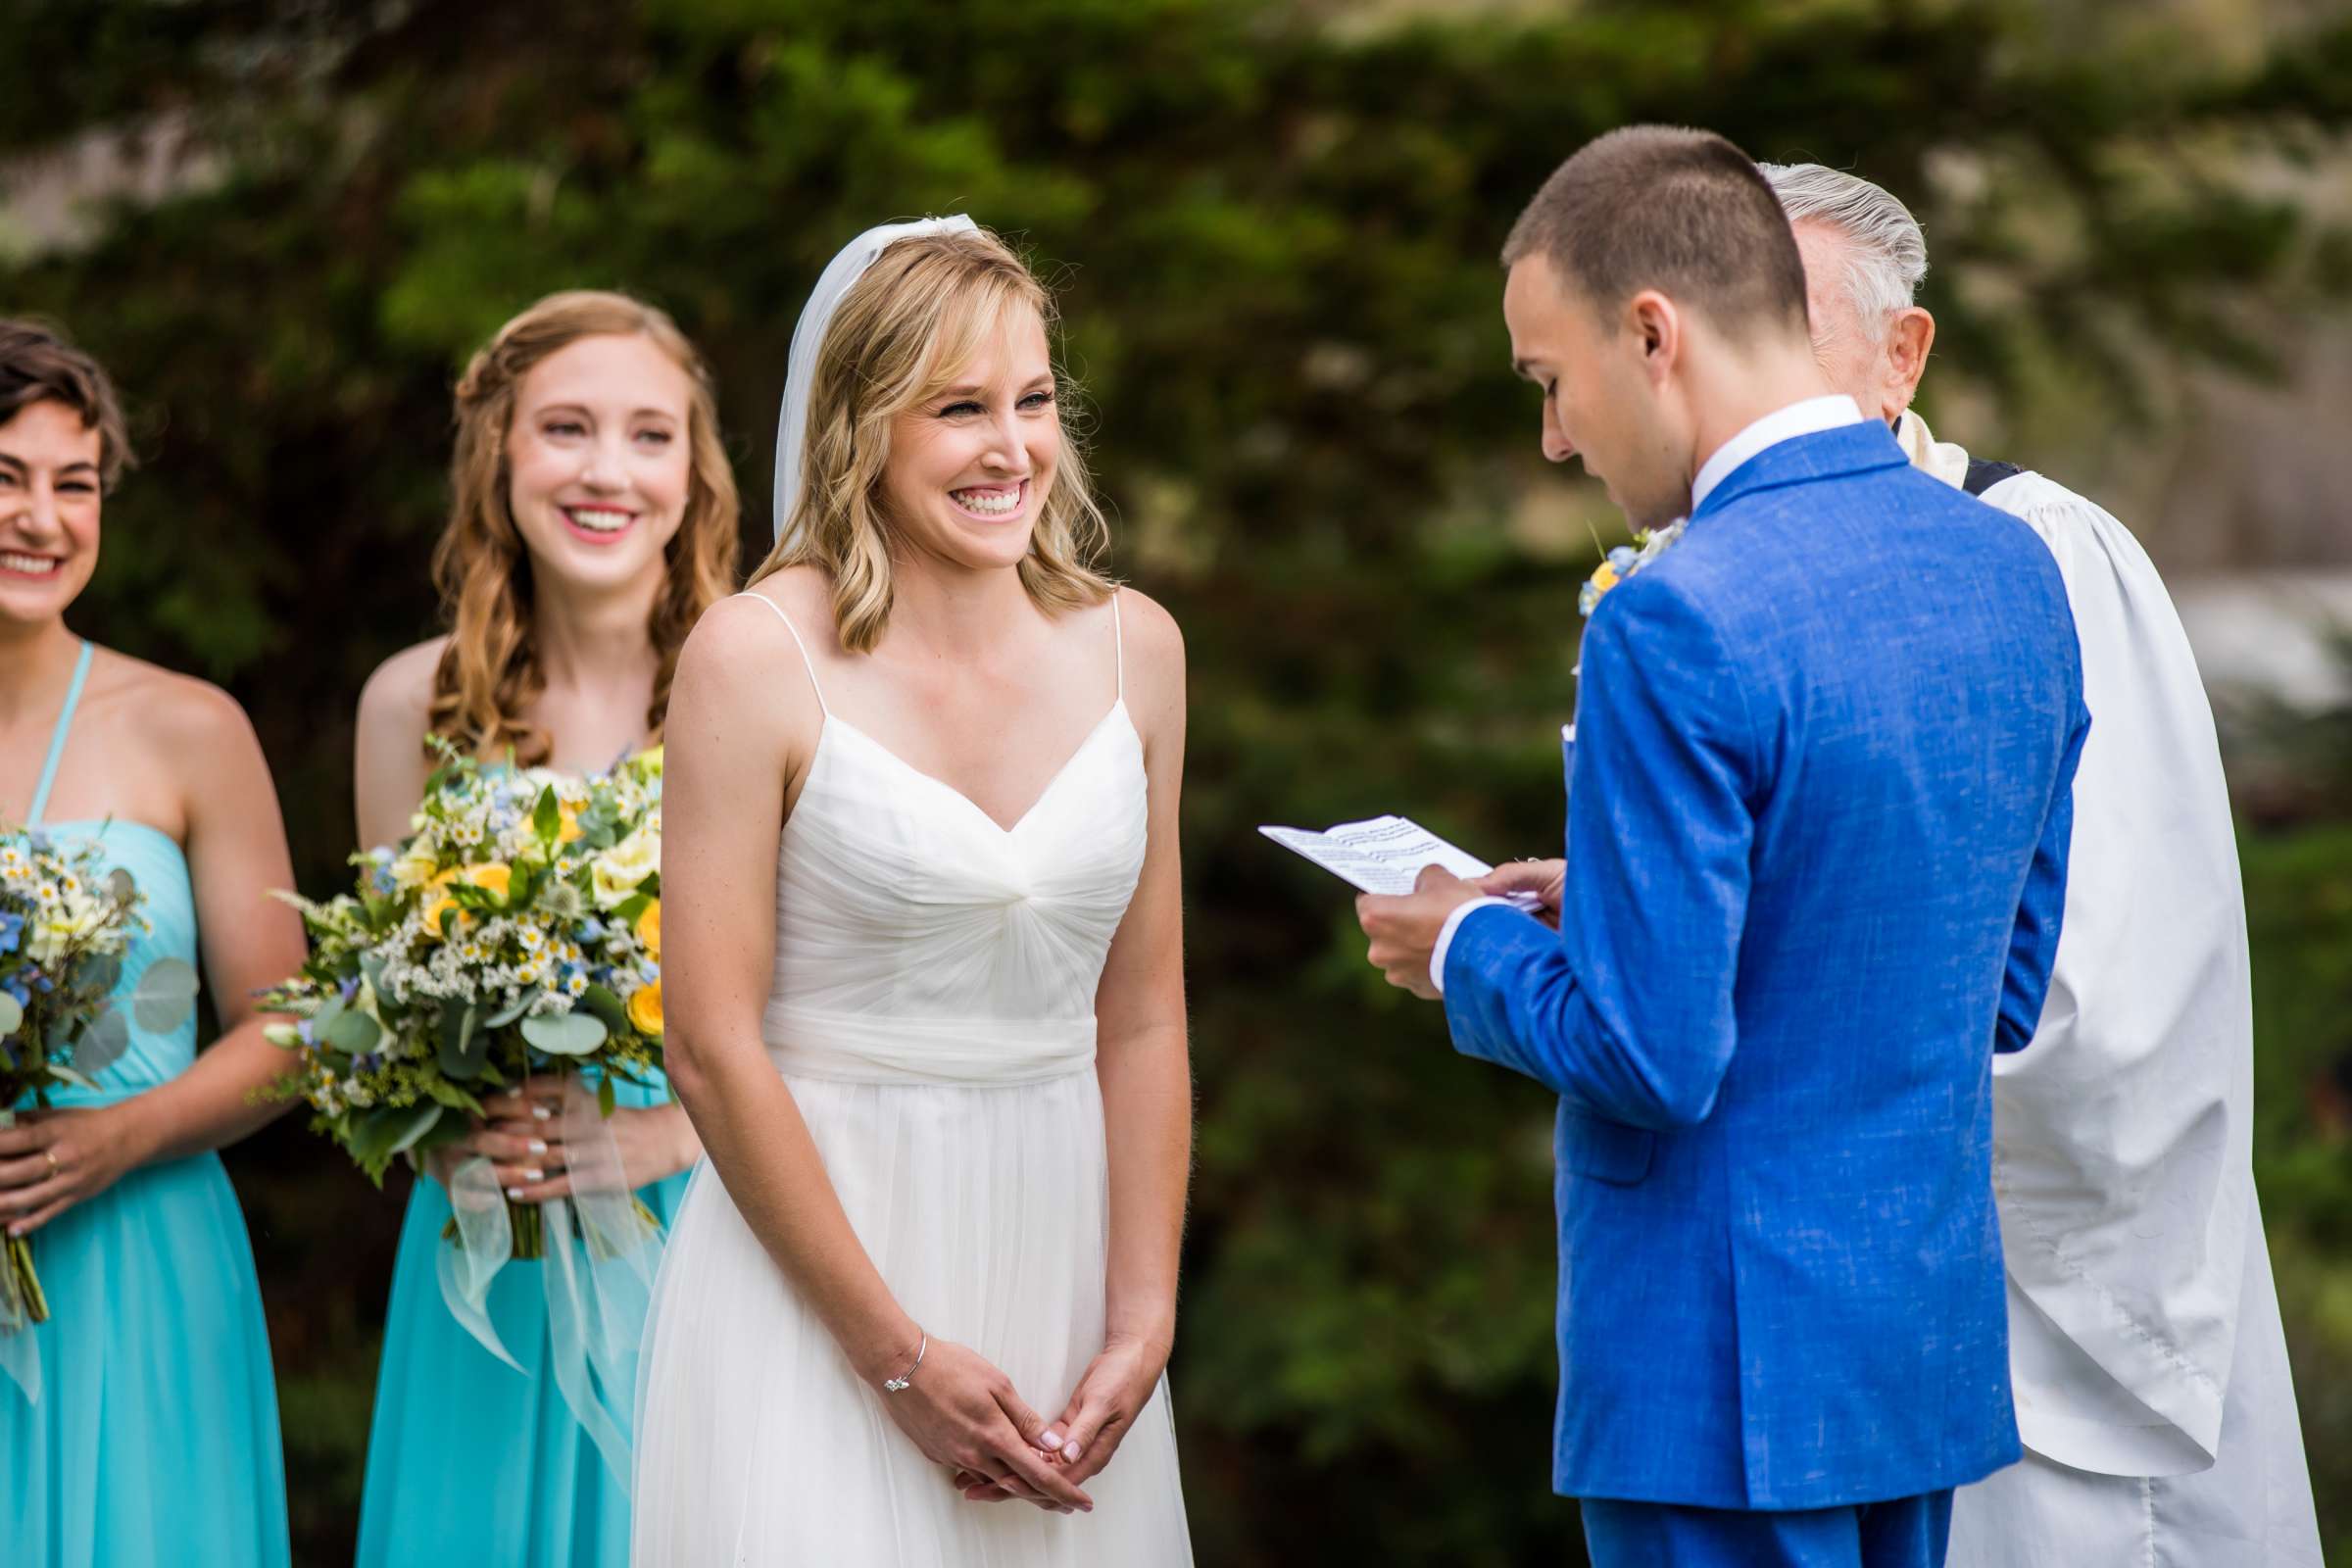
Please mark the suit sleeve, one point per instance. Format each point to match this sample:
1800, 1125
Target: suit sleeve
1627, 1010
2034, 941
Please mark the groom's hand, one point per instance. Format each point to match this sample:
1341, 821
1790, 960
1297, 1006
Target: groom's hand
1545, 881
1404, 930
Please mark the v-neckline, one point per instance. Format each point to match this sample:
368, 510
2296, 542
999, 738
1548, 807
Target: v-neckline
1118, 708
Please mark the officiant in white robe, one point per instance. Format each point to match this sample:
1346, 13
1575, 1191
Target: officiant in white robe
2149, 1359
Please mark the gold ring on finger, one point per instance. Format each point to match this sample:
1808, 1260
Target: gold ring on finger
50, 1155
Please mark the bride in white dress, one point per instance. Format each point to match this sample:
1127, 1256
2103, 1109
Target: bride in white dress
925, 979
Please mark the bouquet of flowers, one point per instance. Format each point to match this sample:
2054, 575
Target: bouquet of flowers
66, 922
517, 932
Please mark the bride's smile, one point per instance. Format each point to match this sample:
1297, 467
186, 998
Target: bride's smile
973, 464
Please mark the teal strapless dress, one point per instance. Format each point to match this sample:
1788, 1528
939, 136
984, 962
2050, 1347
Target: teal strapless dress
469, 1462
154, 1443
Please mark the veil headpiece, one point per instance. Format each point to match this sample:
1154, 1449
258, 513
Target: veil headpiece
834, 283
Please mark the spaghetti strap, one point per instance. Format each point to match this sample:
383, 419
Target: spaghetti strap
1119, 645
806, 663
57, 737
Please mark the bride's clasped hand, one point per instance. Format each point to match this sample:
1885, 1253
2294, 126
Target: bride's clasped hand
1082, 1440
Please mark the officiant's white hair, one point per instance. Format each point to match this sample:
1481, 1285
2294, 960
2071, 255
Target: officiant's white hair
1886, 254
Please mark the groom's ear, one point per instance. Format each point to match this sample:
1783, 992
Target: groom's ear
1658, 328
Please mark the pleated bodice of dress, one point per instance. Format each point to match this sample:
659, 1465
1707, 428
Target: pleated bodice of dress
919, 940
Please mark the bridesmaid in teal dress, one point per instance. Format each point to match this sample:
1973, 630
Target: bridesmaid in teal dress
154, 1442
593, 519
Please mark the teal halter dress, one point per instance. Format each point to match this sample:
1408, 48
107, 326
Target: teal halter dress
468, 1461
155, 1440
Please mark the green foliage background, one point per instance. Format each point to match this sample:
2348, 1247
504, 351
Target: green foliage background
1275, 227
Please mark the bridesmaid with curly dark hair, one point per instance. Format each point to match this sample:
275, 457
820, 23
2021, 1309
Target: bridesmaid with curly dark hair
153, 1439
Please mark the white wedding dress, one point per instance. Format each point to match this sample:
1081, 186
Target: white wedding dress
933, 1012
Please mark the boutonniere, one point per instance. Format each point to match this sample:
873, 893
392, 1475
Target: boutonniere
1626, 560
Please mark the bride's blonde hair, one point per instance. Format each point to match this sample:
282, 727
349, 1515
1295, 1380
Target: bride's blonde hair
490, 673
903, 333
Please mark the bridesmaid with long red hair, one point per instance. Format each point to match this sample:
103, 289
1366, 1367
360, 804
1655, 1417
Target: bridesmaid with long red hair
593, 520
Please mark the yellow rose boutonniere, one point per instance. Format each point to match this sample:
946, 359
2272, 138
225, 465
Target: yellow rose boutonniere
1624, 561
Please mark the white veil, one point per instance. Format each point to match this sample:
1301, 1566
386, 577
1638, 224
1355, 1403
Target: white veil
846, 267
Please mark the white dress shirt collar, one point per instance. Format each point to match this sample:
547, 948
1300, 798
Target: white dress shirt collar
1808, 418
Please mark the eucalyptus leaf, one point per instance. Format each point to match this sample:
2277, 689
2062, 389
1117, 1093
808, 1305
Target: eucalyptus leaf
12, 1013
102, 1044
547, 818
354, 1034
372, 970
378, 1134
463, 1045
600, 1001
57, 1069
122, 886
98, 972
427, 1117
514, 1010
564, 1033
165, 996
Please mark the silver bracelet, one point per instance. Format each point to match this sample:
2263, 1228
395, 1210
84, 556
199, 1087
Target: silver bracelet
899, 1384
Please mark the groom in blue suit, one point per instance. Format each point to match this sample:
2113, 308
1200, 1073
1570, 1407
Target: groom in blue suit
1818, 820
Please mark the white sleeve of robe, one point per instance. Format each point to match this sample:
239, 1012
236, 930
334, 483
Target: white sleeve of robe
2122, 1135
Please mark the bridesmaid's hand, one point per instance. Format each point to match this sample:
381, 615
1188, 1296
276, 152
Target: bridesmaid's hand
53, 1160
1112, 1394
962, 1412
523, 1141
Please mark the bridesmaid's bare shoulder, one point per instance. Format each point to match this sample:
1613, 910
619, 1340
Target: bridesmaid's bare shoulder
172, 709
399, 697
175, 741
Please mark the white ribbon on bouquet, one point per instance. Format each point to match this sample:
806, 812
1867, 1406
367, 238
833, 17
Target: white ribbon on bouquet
599, 1292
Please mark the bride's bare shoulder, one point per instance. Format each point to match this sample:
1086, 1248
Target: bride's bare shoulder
1155, 643
744, 643
1154, 655
800, 596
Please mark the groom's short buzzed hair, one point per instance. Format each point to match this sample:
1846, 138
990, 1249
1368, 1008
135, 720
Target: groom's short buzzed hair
1680, 211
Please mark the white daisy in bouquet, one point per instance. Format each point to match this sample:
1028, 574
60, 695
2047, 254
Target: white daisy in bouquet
517, 932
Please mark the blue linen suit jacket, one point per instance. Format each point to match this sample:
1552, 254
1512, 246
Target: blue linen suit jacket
1817, 835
